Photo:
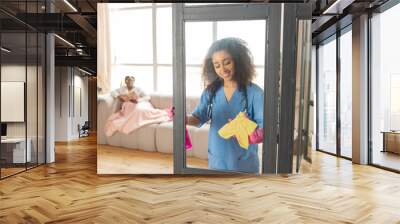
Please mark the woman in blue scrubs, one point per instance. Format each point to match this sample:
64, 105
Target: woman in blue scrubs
228, 71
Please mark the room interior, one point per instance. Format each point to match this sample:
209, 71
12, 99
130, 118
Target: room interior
153, 73
60, 183
333, 55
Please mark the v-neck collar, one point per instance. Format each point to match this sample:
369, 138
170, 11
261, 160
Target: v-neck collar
224, 95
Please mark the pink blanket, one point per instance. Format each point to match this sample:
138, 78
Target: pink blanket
133, 116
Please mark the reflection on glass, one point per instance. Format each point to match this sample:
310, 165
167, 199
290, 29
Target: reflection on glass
346, 94
225, 123
327, 97
385, 88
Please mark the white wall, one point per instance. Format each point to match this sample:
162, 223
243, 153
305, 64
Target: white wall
80, 118
67, 115
61, 103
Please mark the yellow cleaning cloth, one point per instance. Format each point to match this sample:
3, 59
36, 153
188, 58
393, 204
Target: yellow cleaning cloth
240, 127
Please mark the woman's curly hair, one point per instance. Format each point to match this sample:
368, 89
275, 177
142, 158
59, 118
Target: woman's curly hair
242, 58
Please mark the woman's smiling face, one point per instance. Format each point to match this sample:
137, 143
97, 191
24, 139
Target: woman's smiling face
224, 65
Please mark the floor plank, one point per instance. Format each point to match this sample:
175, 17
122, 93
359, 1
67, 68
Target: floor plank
69, 191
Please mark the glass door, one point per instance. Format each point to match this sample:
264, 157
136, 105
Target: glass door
219, 71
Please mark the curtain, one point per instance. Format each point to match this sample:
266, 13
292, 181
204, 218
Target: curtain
103, 49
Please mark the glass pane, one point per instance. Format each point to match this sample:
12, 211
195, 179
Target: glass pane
385, 114
346, 94
14, 154
32, 95
164, 35
259, 80
164, 79
249, 31
127, 44
327, 97
198, 44
194, 83
215, 142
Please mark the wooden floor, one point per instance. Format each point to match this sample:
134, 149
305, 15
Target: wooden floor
70, 191
118, 160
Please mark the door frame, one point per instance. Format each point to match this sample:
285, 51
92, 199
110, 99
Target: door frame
277, 156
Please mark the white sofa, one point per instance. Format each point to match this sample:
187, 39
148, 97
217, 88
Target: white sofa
154, 137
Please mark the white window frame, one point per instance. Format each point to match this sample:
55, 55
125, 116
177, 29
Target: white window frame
155, 63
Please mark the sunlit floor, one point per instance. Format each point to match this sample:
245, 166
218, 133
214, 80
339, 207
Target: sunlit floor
117, 160
386, 159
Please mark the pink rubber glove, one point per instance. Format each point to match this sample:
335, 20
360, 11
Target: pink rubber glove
188, 141
257, 136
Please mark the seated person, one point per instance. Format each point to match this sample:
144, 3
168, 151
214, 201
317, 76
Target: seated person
136, 110
129, 92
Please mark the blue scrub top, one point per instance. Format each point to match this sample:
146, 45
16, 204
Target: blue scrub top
226, 154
